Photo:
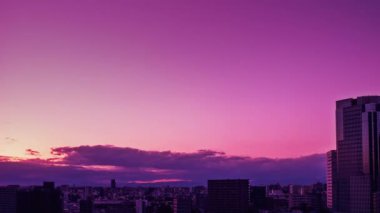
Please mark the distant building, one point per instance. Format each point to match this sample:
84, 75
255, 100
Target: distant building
258, 197
226, 196
45, 199
113, 184
182, 204
331, 179
86, 206
113, 206
300, 201
8, 199
48, 185
141, 206
357, 154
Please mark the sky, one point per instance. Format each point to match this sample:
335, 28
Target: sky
97, 165
246, 78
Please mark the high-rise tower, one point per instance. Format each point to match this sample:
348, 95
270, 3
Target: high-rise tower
331, 179
357, 154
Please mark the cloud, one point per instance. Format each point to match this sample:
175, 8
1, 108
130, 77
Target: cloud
95, 165
32, 152
10, 139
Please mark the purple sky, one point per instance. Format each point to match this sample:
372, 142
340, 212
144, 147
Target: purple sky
248, 78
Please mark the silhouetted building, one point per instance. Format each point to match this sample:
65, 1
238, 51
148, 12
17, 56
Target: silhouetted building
86, 206
277, 204
45, 199
113, 206
113, 184
48, 185
182, 204
331, 181
8, 199
358, 154
307, 202
141, 206
258, 197
226, 196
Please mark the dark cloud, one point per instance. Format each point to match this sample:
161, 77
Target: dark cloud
95, 165
32, 152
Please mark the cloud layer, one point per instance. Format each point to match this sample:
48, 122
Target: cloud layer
96, 165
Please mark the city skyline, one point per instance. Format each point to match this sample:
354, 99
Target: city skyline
219, 196
178, 92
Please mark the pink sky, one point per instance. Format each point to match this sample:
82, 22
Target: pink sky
255, 78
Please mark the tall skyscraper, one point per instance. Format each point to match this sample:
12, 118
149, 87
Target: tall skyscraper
226, 196
331, 179
358, 154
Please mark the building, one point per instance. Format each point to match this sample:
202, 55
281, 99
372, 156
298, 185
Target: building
258, 197
300, 200
331, 179
357, 155
141, 206
8, 200
86, 206
113, 184
226, 196
113, 206
41, 199
182, 204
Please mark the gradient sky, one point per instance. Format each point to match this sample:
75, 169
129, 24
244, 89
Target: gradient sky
249, 78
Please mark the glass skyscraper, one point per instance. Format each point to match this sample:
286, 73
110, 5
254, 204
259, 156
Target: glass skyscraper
357, 155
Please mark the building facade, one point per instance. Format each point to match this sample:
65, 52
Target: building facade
182, 204
357, 156
8, 197
331, 179
226, 196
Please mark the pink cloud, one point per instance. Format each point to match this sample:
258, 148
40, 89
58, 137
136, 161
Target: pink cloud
158, 181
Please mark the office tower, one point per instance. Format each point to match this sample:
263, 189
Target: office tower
331, 179
113, 183
41, 199
258, 197
8, 199
182, 204
226, 196
357, 154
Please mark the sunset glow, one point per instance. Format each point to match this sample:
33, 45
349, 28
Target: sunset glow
245, 78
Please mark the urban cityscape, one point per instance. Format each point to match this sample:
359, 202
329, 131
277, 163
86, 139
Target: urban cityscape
224, 196
189, 106
351, 184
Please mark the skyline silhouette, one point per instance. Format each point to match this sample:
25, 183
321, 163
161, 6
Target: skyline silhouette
179, 91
